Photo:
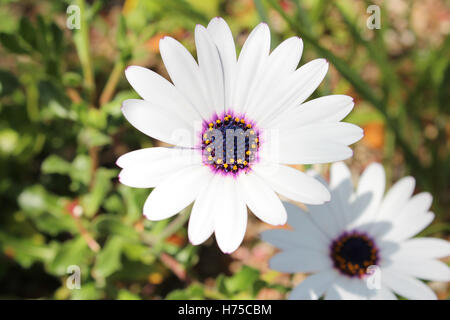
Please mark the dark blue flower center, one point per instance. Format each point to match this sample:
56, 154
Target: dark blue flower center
352, 253
229, 144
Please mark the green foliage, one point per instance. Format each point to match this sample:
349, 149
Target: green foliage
61, 131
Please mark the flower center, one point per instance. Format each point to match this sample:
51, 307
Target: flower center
352, 253
229, 144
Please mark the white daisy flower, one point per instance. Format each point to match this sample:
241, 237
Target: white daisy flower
234, 123
359, 245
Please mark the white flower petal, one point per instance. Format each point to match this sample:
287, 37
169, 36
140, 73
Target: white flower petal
419, 204
294, 149
396, 198
261, 199
341, 190
339, 132
300, 260
372, 183
201, 221
211, 68
147, 156
255, 50
223, 39
160, 92
350, 289
332, 292
383, 294
332, 108
410, 227
433, 270
158, 122
294, 90
281, 238
230, 216
314, 286
176, 192
341, 290
308, 234
326, 219
406, 286
280, 64
185, 74
292, 183
146, 168
424, 248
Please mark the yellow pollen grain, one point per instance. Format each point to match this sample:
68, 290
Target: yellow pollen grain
211, 124
236, 119
210, 158
235, 167
225, 165
248, 152
219, 161
245, 163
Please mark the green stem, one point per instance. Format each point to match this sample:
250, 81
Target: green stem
111, 84
82, 44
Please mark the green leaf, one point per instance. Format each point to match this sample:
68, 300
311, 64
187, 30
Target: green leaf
55, 164
8, 83
26, 251
11, 43
243, 280
92, 137
109, 224
134, 200
28, 32
193, 292
108, 260
124, 294
71, 252
57, 38
88, 291
92, 201
46, 210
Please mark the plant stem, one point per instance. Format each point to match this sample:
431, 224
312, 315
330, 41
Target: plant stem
111, 84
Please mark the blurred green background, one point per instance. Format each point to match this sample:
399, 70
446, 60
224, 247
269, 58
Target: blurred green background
61, 131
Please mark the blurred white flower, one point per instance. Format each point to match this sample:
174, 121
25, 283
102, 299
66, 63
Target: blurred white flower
359, 245
208, 108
